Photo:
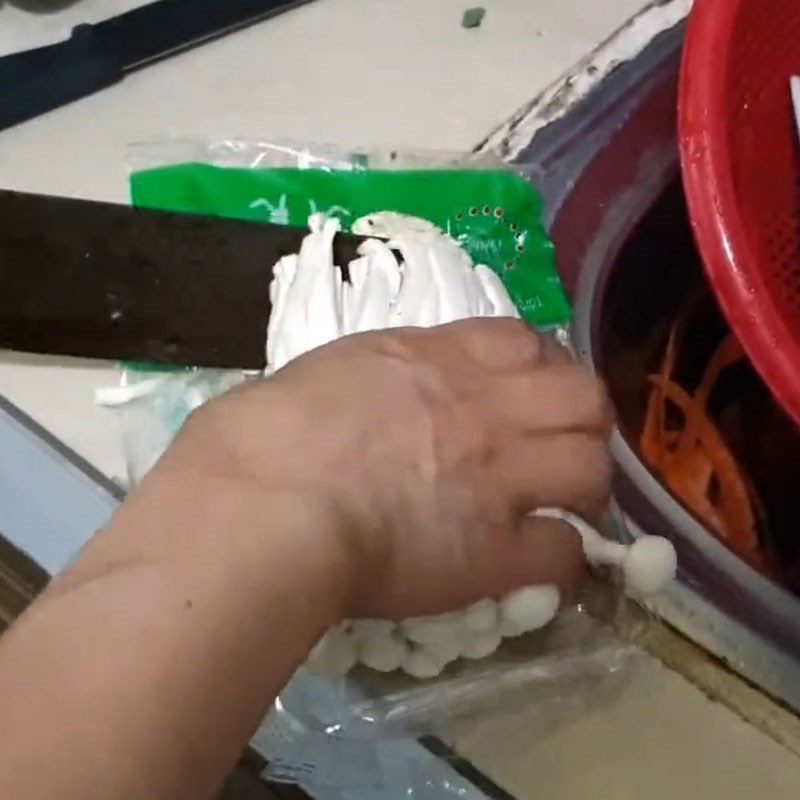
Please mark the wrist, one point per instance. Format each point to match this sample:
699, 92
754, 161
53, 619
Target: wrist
277, 462
243, 538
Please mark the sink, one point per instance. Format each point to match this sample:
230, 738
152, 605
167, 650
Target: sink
609, 172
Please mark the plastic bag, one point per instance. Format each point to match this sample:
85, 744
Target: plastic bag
573, 647
491, 211
316, 735
496, 217
357, 734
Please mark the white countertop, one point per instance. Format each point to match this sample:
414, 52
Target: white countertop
388, 73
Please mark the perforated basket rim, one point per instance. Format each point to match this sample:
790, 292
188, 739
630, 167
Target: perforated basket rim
717, 221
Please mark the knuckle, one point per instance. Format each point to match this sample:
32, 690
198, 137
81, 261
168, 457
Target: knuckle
589, 395
605, 471
496, 342
484, 452
606, 406
400, 343
601, 407
555, 353
521, 332
515, 343
589, 457
599, 470
475, 440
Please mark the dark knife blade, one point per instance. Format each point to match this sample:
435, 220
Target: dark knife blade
33, 82
100, 280
157, 30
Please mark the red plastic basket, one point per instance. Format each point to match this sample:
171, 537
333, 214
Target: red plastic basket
741, 169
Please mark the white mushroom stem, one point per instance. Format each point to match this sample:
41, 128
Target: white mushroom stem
111, 396
648, 565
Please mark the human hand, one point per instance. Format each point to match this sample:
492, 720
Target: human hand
425, 449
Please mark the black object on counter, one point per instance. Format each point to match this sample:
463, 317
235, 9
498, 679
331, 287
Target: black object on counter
100, 280
97, 56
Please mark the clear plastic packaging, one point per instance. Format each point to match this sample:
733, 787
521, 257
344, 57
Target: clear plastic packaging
575, 647
359, 731
373, 731
154, 404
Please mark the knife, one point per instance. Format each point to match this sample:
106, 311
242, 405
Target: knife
97, 56
100, 280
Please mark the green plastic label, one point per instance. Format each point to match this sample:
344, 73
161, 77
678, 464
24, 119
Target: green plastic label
494, 214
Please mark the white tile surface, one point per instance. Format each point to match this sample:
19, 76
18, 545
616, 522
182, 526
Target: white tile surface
660, 738
371, 72
379, 72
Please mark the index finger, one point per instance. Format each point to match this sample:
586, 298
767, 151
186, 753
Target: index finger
554, 398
